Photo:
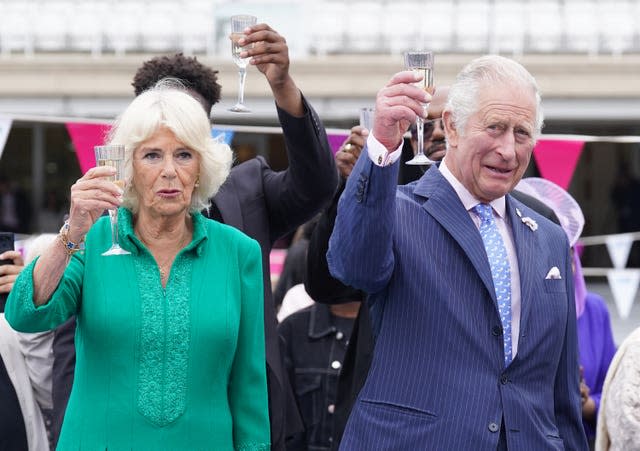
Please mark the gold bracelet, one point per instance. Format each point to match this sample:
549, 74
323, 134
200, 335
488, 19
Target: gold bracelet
69, 246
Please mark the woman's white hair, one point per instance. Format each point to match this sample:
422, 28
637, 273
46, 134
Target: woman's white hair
462, 101
168, 105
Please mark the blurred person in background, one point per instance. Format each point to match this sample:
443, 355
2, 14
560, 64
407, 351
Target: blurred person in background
315, 340
295, 262
595, 336
263, 203
15, 208
618, 426
174, 329
25, 368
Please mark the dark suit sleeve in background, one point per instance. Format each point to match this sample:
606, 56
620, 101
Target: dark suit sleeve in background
294, 195
318, 282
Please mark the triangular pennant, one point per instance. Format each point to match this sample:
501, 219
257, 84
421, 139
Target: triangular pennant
619, 247
557, 159
624, 286
5, 128
84, 137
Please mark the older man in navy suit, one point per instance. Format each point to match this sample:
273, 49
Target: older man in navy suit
471, 289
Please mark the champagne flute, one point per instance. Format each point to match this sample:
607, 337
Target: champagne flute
421, 63
113, 155
238, 25
367, 114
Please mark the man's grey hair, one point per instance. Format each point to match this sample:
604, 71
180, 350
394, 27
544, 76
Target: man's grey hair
490, 69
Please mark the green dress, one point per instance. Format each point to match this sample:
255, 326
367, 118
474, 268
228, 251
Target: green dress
160, 369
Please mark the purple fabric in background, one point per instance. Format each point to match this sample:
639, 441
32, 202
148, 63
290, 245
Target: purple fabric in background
595, 340
335, 141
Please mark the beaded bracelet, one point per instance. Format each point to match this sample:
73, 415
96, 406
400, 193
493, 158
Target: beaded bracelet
69, 246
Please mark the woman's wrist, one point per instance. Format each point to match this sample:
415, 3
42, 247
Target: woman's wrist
71, 244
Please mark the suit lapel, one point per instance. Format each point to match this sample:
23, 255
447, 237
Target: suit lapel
525, 243
228, 204
444, 205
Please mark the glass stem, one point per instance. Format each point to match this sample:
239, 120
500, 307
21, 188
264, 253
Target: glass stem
420, 127
242, 72
113, 216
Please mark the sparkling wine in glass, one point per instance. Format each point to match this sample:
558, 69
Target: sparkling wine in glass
238, 25
367, 114
421, 63
113, 155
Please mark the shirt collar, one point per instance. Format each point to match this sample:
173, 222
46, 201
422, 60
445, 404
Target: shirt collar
468, 200
320, 322
133, 243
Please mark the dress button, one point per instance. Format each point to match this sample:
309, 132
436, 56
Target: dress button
496, 331
493, 427
335, 365
339, 335
331, 408
504, 379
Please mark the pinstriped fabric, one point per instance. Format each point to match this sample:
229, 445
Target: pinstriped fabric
437, 380
500, 271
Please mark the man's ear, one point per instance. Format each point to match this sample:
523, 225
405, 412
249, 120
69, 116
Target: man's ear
450, 128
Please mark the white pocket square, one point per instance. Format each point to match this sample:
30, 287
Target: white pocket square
554, 273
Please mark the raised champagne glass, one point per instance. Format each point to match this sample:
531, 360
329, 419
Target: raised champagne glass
421, 63
367, 114
238, 24
113, 155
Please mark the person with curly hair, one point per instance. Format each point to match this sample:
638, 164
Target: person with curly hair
201, 81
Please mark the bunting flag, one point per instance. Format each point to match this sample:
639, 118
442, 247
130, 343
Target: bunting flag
84, 137
5, 128
557, 159
619, 247
223, 134
624, 286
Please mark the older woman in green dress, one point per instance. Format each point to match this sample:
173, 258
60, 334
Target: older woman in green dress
170, 341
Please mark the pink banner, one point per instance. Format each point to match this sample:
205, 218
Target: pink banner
557, 160
84, 137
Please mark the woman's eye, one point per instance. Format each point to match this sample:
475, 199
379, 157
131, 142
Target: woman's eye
185, 155
151, 156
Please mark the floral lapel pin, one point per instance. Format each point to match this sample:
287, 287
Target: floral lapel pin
532, 224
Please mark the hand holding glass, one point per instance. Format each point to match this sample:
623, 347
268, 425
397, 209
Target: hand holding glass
421, 63
238, 25
113, 155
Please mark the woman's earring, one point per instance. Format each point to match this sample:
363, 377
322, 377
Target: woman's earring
197, 184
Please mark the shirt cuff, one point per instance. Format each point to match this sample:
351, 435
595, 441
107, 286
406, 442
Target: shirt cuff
379, 154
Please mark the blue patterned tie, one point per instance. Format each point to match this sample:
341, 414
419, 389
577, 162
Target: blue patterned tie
500, 271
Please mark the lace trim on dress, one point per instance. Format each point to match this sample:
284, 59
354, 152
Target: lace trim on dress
164, 339
253, 447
